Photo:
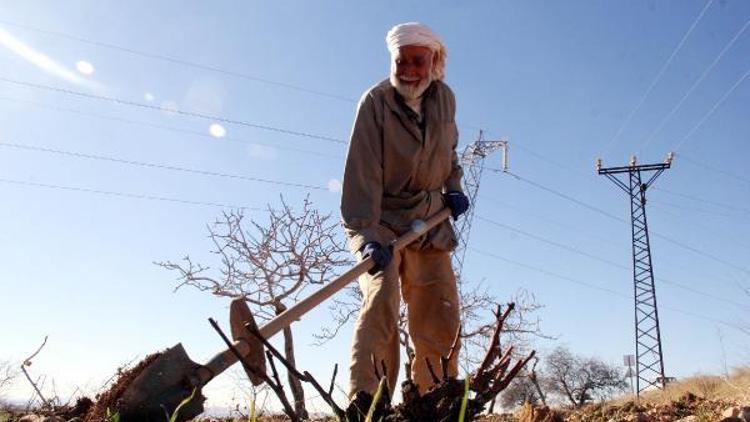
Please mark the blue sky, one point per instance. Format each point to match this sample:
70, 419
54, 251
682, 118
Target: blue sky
558, 80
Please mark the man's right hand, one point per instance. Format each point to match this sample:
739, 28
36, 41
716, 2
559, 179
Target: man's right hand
380, 255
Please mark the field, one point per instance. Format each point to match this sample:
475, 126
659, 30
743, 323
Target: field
702, 398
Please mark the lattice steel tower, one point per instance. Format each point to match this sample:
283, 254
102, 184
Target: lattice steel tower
472, 161
649, 359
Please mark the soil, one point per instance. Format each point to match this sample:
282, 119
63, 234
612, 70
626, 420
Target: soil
441, 403
109, 399
687, 405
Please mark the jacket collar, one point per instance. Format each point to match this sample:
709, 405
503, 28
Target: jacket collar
397, 104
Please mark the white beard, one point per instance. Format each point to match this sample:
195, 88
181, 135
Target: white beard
410, 92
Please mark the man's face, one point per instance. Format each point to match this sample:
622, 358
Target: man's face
411, 70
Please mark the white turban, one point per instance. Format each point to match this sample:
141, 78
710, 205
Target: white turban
413, 33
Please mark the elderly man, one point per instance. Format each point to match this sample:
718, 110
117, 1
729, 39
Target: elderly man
402, 166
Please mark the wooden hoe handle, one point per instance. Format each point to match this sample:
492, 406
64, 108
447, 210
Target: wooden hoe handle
227, 358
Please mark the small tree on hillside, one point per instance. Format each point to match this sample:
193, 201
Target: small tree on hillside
270, 264
578, 379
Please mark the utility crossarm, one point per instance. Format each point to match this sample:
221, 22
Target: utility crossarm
628, 169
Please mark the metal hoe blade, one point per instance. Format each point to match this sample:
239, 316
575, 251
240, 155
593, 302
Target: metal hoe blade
160, 388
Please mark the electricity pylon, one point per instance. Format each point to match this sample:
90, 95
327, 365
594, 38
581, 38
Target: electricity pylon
649, 358
472, 161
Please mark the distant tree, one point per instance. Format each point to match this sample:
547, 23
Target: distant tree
477, 328
270, 264
520, 391
518, 330
578, 379
526, 388
8, 375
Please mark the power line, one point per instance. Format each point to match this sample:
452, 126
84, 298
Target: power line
578, 231
702, 253
527, 212
176, 111
551, 242
606, 261
616, 218
548, 273
604, 289
657, 78
710, 112
575, 170
603, 240
178, 61
712, 230
564, 196
155, 165
123, 194
696, 210
718, 170
689, 209
705, 201
705, 73
188, 63
164, 127
587, 175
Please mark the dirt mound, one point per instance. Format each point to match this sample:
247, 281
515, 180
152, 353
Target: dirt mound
109, 399
687, 405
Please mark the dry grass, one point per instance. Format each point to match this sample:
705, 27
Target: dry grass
735, 388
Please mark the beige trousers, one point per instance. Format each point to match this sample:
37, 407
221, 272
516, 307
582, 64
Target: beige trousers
428, 286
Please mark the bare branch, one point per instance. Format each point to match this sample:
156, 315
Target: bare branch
27, 362
274, 383
306, 376
7, 376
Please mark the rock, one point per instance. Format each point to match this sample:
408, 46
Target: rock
37, 418
530, 413
691, 418
640, 417
731, 412
732, 419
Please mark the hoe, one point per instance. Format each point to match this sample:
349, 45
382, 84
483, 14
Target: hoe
173, 376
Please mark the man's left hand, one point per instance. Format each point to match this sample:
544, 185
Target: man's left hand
457, 202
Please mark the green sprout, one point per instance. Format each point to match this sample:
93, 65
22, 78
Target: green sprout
375, 400
111, 417
182, 404
464, 401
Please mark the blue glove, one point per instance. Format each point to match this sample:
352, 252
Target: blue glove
457, 202
380, 255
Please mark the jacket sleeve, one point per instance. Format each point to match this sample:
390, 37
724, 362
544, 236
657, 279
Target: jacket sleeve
362, 187
453, 183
